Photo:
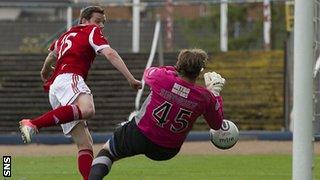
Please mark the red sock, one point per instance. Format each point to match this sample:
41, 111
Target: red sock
60, 115
85, 158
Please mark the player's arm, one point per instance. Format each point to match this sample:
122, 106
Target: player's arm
48, 66
101, 46
214, 110
114, 58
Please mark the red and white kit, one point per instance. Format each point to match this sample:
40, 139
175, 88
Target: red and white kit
73, 63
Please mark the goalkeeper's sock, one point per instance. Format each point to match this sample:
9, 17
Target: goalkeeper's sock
85, 157
101, 165
61, 115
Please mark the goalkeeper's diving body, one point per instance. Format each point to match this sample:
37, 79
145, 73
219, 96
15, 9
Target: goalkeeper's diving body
175, 102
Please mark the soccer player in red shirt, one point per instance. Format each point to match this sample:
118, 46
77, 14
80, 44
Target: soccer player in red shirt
166, 117
70, 97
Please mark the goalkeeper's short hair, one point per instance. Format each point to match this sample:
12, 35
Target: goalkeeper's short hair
191, 62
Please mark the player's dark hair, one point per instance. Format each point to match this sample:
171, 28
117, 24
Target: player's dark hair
191, 62
86, 13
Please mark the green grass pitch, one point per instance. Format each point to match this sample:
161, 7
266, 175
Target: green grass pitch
182, 167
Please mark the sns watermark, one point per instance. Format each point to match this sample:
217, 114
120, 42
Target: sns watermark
6, 166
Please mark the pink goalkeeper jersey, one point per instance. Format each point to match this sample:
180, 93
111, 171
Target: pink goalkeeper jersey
172, 107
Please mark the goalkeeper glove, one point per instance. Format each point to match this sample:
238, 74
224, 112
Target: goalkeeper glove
214, 82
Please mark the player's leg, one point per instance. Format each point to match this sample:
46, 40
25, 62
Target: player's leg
75, 104
101, 165
86, 105
119, 146
66, 89
80, 132
60, 115
126, 141
82, 137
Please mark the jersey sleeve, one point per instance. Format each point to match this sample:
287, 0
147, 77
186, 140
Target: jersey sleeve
150, 75
214, 112
97, 40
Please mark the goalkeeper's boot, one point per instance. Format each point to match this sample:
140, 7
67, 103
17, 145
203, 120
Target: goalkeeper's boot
27, 130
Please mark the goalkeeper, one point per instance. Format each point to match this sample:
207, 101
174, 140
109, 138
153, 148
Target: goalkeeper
160, 127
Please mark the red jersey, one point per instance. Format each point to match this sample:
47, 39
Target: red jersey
75, 50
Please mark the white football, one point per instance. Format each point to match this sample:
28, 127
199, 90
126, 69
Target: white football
226, 137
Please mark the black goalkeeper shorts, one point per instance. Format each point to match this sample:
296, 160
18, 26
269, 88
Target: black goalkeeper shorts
128, 141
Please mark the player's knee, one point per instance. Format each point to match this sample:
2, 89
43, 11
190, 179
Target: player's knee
91, 112
86, 106
88, 112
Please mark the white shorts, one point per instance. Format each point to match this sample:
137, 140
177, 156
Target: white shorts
64, 91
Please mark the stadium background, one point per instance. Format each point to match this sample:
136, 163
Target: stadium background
258, 93
256, 87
